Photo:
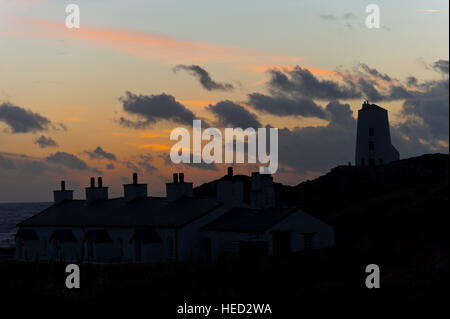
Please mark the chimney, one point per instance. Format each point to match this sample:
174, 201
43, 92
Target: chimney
230, 172
134, 190
62, 194
262, 194
93, 193
229, 191
178, 188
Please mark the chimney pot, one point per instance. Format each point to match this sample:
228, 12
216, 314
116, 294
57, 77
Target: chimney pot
135, 178
100, 182
62, 194
175, 178
230, 171
92, 182
181, 177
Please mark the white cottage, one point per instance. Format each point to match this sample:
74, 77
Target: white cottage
179, 227
272, 231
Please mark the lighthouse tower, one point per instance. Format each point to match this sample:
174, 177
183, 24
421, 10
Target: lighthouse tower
373, 139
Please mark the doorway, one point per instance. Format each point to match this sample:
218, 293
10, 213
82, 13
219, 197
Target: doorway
281, 243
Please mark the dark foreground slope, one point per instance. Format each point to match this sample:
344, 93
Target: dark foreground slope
395, 216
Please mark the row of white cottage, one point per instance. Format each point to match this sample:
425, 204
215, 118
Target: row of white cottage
179, 227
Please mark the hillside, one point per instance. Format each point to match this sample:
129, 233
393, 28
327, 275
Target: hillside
348, 186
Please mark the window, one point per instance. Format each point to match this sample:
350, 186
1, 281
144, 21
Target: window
371, 145
121, 247
371, 131
44, 246
308, 240
171, 247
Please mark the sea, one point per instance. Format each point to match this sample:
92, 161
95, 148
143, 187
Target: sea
13, 213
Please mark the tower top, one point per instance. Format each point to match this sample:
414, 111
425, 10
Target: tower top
366, 105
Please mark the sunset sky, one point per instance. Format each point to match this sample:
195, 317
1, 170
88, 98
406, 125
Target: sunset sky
102, 100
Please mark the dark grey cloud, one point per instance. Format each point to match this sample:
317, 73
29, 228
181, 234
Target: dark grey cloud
110, 166
201, 166
285, 106
426, 114
229, 114
330, 17
186, 166
369, 87
44, 142
145, 161
99, 153
149, 109
125, 179
300, 81
205, 79
6, 163
132, 166
25, 165
374, 72
20, 120
441, 66
67, 160
34, 167
349, 15
309, 149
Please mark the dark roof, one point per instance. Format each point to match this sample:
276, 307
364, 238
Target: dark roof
27, 234
141, 212
146, 236
98, 236
63, 235
249, 220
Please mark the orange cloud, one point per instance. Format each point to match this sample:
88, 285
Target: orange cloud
156, 147
141, 44
197, 103
149, 135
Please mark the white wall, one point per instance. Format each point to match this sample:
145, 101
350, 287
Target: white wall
121, 249
299, 222
190, 238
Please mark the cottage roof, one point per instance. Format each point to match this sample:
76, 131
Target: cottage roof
249, 220
140, 212
27, 234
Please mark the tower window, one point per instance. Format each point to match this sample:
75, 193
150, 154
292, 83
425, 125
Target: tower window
371, 145
371, 131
